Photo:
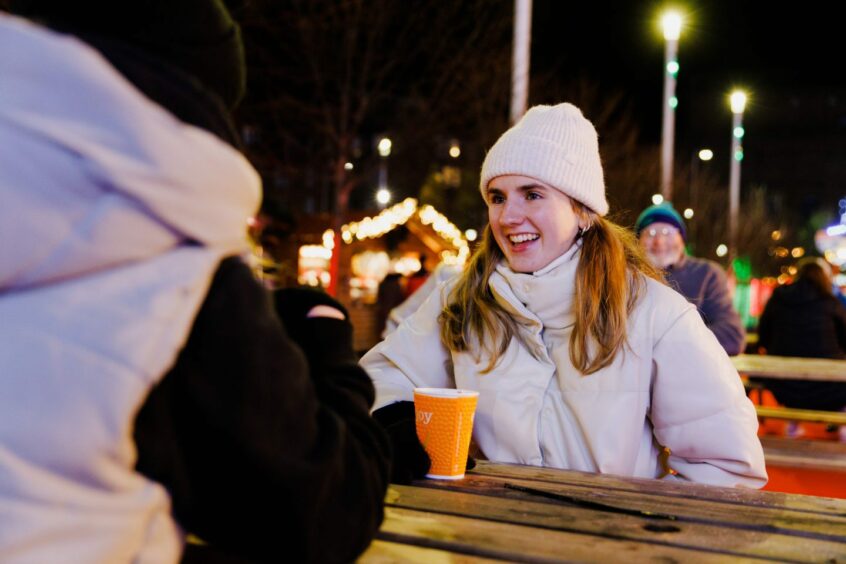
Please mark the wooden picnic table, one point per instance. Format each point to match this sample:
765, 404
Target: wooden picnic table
790, 368
530, 514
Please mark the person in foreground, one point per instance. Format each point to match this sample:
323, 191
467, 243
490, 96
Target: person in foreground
662, 233
582, 358
148, 389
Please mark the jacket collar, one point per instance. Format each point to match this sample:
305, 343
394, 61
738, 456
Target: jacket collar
543, 298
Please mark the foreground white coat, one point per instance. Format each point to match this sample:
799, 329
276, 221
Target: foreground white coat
672, 386
114, 218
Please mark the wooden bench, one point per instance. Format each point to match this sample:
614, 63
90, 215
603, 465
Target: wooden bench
797, 453
805, 466
790, 368
808, 415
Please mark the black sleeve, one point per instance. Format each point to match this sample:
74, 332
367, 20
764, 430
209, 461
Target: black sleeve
765, 323
265, 456
840, 324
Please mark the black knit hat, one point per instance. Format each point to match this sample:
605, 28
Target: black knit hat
197, 36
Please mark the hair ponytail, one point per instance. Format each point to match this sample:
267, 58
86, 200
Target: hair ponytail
608, 285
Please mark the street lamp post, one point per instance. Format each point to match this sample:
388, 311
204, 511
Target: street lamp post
671, 23
383, 196
520, 58
738, 105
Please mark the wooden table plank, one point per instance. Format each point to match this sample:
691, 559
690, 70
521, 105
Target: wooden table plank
689, 510
519, 543
386, 552
736, 496
791, 368
504, 522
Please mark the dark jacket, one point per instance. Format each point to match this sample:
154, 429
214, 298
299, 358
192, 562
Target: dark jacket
268, 453
800, 321
704, 284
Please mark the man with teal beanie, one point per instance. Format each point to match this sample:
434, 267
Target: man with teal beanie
662, 234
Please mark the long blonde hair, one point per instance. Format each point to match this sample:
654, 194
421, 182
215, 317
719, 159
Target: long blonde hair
610, 278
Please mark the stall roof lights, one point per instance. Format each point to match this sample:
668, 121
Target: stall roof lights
390, 218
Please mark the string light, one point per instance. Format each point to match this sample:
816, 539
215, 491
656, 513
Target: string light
322, 252
398, 214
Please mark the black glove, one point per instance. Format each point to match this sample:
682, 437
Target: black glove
410, 461
323, 339
293, 304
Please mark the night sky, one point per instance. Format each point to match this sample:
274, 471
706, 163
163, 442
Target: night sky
789, 58
724, 43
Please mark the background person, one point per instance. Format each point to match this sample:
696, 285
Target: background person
147, 387
418, 278
582, 358
441, 274
389, 295
662, 234
804, 319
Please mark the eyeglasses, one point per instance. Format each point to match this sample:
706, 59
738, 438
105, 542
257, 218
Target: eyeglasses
654, 232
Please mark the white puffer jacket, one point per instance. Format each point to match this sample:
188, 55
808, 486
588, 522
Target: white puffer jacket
114, 216
672, 386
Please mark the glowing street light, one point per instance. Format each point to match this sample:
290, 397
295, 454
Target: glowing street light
454, 150
671, 23
384, 147
738, 101
657, 199
706, 155
383, 196
738, 105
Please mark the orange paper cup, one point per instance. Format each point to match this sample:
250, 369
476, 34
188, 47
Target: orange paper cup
444, 427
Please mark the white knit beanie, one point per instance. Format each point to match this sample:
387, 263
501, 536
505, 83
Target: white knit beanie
556, 145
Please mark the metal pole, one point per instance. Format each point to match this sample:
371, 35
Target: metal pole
669, 119
734, 183
520, 58
383, 173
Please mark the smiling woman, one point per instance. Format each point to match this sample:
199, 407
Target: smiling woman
532, 222
582, 358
